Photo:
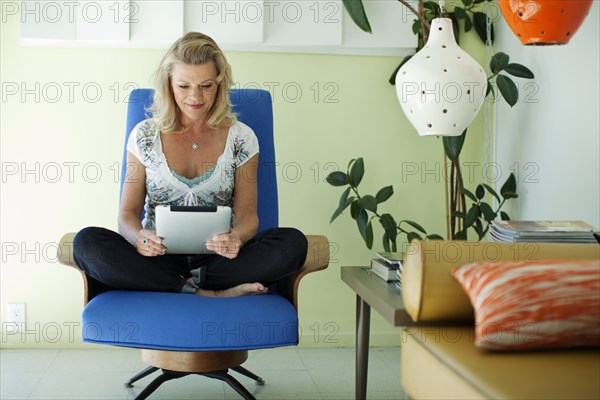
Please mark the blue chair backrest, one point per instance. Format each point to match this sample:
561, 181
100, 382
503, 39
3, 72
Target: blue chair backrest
254, 108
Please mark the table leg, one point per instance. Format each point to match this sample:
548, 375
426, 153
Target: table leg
363, 324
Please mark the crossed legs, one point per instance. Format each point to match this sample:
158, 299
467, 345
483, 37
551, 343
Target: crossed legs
269, 256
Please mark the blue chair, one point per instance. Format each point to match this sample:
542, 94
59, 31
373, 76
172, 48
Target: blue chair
182, 334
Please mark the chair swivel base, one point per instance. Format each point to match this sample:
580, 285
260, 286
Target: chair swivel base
176, 364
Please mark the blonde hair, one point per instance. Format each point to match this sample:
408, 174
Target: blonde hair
194, 49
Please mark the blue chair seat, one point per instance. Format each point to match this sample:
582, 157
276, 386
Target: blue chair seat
183, 322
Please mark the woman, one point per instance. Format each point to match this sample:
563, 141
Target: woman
191, 152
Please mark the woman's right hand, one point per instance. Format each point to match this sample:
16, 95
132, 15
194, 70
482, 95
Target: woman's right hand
149, 244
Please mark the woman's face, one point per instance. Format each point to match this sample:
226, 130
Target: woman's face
194, 88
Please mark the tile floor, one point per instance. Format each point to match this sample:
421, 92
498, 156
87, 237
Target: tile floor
290, 373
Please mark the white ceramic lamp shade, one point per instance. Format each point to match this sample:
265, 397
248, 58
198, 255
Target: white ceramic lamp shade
441, 88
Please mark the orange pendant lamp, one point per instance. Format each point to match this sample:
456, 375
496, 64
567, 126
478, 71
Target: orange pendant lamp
544, 22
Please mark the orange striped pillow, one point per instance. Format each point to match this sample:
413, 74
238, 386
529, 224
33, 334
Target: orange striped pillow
522, 306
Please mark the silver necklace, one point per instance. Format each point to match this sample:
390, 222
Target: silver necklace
195, 146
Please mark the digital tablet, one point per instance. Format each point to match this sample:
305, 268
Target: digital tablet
185, 230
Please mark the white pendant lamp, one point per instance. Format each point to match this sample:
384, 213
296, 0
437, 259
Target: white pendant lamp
441, 88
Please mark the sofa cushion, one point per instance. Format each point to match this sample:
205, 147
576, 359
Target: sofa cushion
525, 305
431, 294
184, 322
442, 363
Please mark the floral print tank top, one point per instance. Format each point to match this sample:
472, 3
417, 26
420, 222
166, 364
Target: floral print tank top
163, 187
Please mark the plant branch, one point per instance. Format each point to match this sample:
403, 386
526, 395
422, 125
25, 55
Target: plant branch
496, 212
460, 184
425, 27
355, 190
417, 13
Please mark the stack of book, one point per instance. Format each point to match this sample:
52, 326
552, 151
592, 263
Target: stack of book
387, 266
542, 231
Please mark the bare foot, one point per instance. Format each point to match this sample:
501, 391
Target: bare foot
245, 289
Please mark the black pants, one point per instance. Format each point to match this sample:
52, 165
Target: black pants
109, 258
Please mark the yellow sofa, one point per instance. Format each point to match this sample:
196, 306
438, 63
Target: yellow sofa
439, 358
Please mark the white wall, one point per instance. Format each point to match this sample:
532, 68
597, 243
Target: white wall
551, 136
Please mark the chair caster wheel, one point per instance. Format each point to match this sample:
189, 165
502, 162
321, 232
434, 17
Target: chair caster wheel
260, 382
128, 385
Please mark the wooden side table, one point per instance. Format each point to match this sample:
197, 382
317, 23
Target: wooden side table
383, 297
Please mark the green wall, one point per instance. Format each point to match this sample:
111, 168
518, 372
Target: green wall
60, 155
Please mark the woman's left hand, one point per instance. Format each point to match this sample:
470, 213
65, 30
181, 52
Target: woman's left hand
226, 244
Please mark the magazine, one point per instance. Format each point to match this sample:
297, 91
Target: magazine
542, 231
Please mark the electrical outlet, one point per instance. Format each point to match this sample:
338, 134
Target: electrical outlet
16, 315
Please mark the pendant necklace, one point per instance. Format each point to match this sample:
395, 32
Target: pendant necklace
195, 146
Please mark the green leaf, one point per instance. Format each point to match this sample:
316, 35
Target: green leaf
453, 145
368, 202
490, 89
337, 178
508, 89
492, 191
472, 216
510, 187
413, 235
455, 28
499, 62
341, 209
337, 213
462, 235
434, 236
357, 172
362, 221
468, 23
469, 194
487, 212
432, 7
354, 209
478, 228
350, 164
480, 24
344, 196
345, 201
415, 225
356, 10
480, 192
460, 12
504, 216
518, 70
386, 242
416, 27
369, 238
389, 225
467, 3
384, 194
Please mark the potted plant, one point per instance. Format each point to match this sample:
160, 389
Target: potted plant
460, 216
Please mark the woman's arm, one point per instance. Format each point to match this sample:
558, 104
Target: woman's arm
245, 200
245, 205
130, 210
